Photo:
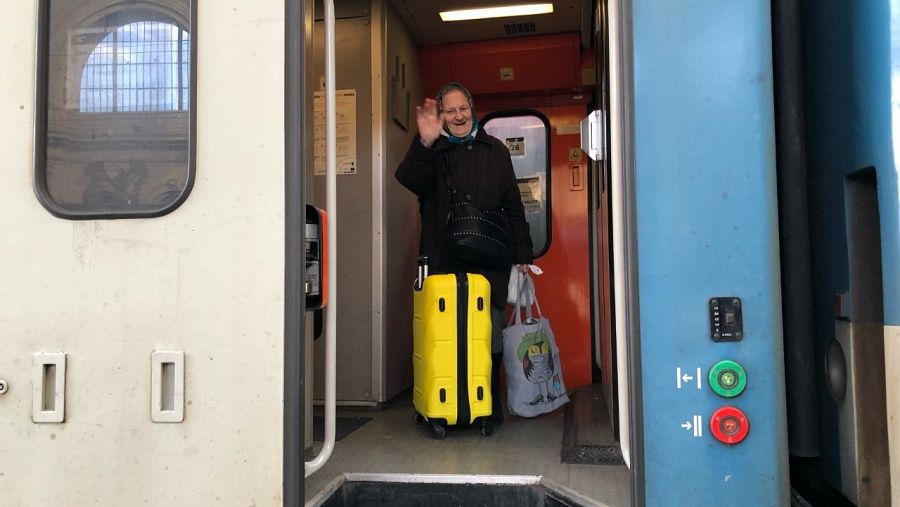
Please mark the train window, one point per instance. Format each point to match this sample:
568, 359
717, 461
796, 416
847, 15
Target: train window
114, 118
527, 136
142, 66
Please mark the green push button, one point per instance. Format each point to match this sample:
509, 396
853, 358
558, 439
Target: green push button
727, 378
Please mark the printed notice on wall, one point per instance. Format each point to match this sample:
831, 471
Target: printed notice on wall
530, 190
345, 105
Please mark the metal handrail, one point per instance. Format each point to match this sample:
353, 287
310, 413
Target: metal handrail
331, 210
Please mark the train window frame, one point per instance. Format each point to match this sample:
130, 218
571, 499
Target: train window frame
42, 123
548, 168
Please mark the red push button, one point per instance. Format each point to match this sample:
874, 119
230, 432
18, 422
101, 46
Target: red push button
729, 425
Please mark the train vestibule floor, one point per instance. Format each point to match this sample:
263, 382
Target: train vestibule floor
391, 444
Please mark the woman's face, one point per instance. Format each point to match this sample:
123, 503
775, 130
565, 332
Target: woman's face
456, 113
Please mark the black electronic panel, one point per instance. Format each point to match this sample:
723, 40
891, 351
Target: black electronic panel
726, 321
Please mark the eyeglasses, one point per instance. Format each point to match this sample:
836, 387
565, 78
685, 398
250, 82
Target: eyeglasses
464, 110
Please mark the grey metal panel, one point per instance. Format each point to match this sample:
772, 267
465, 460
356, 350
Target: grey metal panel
344, 9
401, 214
354, 242
865, 463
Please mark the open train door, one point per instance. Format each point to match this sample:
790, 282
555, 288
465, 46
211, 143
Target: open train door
696, 251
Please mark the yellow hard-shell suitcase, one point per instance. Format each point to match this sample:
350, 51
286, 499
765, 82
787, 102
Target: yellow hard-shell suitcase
452, 352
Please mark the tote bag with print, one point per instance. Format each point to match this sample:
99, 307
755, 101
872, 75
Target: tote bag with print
534, 379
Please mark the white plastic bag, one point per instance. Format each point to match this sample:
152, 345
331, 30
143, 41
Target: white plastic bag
534, 379
516, 289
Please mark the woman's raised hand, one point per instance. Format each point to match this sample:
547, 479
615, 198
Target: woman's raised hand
429, 122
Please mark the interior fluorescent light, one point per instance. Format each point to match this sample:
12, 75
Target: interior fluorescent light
497, 12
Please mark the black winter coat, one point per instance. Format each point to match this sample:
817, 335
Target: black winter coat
482, 173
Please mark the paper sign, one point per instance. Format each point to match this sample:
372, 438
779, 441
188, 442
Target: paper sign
530, 190
345, 106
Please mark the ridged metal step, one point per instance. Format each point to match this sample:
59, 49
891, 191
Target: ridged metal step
588, 438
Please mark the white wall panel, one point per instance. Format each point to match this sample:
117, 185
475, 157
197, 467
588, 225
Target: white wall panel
206, 279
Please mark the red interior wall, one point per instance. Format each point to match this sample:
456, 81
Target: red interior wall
541, 65
564, 289
545, 62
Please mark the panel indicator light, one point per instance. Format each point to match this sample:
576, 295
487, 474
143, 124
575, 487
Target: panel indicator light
729, 425
727, 378
726, 321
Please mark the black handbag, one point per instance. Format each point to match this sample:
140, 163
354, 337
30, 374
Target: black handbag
476, 236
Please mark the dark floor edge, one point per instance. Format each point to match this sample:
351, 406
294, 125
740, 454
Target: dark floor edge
411, 489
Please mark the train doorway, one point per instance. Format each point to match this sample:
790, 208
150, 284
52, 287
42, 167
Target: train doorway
389, 66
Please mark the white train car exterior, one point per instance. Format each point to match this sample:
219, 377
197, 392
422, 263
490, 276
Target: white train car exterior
87, 303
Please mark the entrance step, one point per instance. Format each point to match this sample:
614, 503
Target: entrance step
588, 437
401, 490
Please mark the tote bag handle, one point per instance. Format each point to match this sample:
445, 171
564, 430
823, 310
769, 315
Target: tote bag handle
524, 283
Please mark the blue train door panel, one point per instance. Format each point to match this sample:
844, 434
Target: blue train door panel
712, 372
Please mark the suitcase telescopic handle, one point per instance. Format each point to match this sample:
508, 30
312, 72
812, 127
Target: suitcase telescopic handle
331, 208
422, 273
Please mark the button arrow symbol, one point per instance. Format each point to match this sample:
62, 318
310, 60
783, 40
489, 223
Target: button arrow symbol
686, 425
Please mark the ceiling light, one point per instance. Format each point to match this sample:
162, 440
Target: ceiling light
497, 12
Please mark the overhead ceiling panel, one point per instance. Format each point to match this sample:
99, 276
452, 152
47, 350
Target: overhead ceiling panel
426, 26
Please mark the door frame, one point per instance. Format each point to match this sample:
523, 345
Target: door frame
298, 88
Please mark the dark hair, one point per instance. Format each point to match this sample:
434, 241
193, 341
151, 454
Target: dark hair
454, 85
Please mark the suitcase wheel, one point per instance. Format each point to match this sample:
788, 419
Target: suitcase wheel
438, 431
417, 418
487, 429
